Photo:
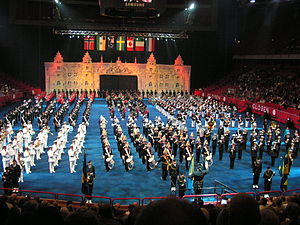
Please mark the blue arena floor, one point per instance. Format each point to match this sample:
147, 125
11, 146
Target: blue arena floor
138, 183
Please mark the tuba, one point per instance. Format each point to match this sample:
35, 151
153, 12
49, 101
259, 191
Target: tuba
210, 125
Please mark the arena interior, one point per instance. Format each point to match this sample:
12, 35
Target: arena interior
137, 112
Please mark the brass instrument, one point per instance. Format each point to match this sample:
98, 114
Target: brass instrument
210, 125
273, 125
37, 143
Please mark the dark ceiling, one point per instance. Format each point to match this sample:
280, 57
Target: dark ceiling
85, 14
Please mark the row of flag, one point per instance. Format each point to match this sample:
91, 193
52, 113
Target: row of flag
120, 43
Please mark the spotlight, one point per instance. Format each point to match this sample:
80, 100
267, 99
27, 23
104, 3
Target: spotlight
252, 1
157, 38
192, 6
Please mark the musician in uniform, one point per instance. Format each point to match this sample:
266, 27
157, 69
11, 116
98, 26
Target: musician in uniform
72, 159
7, 180
51, 159
198, 177
221, 147
285, 170
256, 169
274, 153
214, 143
90, 180
166, 162
198, 149
174, 172
181, 185
268, 175
232, 155
15, 175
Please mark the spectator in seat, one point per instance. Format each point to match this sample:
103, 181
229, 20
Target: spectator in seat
243, 210
171, 211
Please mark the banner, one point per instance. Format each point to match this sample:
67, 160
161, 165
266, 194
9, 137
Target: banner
139, 44
89, 43
130, 44
150, 44
120, 43
111, 42
101, 43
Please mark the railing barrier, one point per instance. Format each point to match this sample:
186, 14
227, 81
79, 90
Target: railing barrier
207, 198
71, 197
269, 193
147, 200
224, 197
138, 200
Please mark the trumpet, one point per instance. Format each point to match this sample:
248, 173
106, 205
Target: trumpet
37, 143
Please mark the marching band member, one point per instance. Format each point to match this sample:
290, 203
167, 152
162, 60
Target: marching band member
232, 155
27, 161
72, 159
166, 162
32, 153
11, 152
51, 159
188, 154
5, 158
38, 148
26, 136
174, 172
221, 145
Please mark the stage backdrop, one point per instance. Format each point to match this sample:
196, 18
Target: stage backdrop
88, 75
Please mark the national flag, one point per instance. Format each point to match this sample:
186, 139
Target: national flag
130, 44
120, 43
281, 167
139, 44
150, 44
101, 43
89, 43
84, 185
285, 165
192, 166
111, 42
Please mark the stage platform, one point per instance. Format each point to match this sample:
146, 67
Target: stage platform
138, 182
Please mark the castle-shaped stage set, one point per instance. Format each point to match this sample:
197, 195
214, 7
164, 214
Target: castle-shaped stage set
88, 75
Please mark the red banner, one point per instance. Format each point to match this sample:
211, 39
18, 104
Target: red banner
275, 110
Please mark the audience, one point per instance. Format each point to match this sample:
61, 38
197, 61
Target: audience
242, 209
265, 84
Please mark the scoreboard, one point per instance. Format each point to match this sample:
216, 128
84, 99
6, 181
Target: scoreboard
132, 8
